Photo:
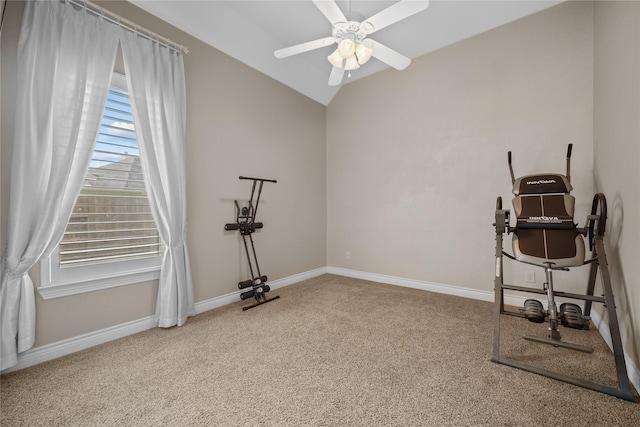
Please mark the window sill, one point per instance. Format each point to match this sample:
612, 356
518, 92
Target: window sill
128, 278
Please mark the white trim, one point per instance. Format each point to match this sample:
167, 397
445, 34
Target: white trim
81, 342
281, 283
415, 284
71, 345
127, 278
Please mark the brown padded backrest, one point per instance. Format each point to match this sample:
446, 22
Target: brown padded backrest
544, 211
545, 231
542, 184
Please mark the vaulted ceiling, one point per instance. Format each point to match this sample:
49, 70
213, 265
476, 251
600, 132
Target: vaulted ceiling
251, 30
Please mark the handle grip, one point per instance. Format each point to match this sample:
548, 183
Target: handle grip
248, 294
513, 178
251, 293
258, 179
236, 226
569, 150
250, 282
245, 284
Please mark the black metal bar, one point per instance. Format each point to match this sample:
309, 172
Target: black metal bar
258, 179
513, 313
252, 208
622, 394
556, 293
551, 304
255, 209
593, 273
614, 328
260, 303
246, 249
497, 280
255, 257
513, 178
559, 343
569, 162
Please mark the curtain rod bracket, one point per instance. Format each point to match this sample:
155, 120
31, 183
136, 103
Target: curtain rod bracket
125, 23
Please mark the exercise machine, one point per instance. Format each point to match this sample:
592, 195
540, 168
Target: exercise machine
247, 225
546, 236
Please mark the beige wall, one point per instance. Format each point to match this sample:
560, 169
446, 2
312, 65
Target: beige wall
617, 154
417, 158
239, 122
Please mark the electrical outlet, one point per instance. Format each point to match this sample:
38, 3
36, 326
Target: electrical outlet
530, 276
347, 255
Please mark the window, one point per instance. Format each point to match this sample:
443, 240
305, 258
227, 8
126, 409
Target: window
111, 238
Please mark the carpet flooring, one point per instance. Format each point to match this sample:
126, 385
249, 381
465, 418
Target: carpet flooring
332, 351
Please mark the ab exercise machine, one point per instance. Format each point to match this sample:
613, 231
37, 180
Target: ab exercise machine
246, 224
545, 236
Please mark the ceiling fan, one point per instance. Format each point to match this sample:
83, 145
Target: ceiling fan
351, 31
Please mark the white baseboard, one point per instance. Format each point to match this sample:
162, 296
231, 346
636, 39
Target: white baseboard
517, 301
52, 351
62, 348
415, 284
232, 297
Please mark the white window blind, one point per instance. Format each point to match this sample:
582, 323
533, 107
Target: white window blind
111, 220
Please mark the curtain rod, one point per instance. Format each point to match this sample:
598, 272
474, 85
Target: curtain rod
125, 23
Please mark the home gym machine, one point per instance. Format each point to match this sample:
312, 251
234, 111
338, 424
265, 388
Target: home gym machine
545, 236
246, 223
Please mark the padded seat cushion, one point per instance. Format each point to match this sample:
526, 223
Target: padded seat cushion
564, 248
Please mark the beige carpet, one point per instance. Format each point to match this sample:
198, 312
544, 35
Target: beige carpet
332, 351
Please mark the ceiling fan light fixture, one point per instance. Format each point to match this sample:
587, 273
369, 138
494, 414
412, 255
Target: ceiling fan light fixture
363, 53
351, 63
335, 59
346, 47
351, 31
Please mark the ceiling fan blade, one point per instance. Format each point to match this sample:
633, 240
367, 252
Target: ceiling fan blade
304, 47
390, 56
330, 10
336, 76
394, 13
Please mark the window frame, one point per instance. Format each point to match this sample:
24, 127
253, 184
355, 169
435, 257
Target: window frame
56, 282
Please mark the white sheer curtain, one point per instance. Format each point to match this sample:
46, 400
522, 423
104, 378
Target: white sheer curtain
155, 74
65, 62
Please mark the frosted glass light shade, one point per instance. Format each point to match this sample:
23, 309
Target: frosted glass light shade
346, 47
336, 59
351, 63
363, 53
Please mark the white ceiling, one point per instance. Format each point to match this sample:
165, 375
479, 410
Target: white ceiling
251, 30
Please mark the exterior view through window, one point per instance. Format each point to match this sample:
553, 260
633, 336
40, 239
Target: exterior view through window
111, 220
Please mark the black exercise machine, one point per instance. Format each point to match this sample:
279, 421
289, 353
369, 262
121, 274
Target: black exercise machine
546, 236
246, 223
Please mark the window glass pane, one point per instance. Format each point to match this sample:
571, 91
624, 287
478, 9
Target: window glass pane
111, 220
